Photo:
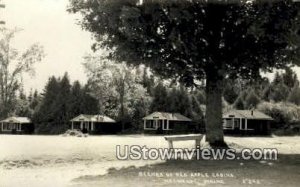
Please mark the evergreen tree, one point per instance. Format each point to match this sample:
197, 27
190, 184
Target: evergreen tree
140, 111
76, 102
90, 104
46, 115
159, 102
294, 96
289, 77
252, 100
230, 94
279, 92
277, 79
63, 102
35, 101
266, 93
185, 106
239, 103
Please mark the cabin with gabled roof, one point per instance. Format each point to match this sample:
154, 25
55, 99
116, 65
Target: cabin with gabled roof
247, 122
165, 123
17, 125
94, 124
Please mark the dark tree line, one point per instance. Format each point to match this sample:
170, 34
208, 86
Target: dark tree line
245, 94
61, 101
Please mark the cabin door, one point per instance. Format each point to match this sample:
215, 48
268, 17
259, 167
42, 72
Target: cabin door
236, 123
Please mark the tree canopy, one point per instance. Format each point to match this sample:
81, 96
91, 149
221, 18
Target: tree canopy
186, 39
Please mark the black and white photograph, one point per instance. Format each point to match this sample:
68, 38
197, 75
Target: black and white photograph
146, 93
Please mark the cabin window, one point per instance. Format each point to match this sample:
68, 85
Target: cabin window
5, 126
227, 123
165, 125
9, 126
236, 123
150, 124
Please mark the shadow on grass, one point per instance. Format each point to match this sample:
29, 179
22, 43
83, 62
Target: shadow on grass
283, 172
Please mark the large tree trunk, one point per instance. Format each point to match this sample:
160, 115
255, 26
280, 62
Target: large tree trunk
214, 128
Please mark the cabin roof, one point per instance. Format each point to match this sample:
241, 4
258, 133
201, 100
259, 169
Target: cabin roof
93, 118
168, 116
16, 120
247, 114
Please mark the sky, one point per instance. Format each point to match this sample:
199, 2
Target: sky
48, 23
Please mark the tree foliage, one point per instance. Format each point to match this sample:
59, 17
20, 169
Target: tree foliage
294, 96
252, 100
13, 65
188, 38
60, 102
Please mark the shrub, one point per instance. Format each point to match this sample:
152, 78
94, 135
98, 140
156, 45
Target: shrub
283, 113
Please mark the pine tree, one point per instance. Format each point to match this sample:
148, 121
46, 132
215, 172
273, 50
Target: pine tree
76, 102
185, 106
90, 104
289, 77
239, 103
140, 111
46, 114
229, 93
279, 92
35, 101
266, 93
294, 96
63, 102
252, 100
160, 96
277, 79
